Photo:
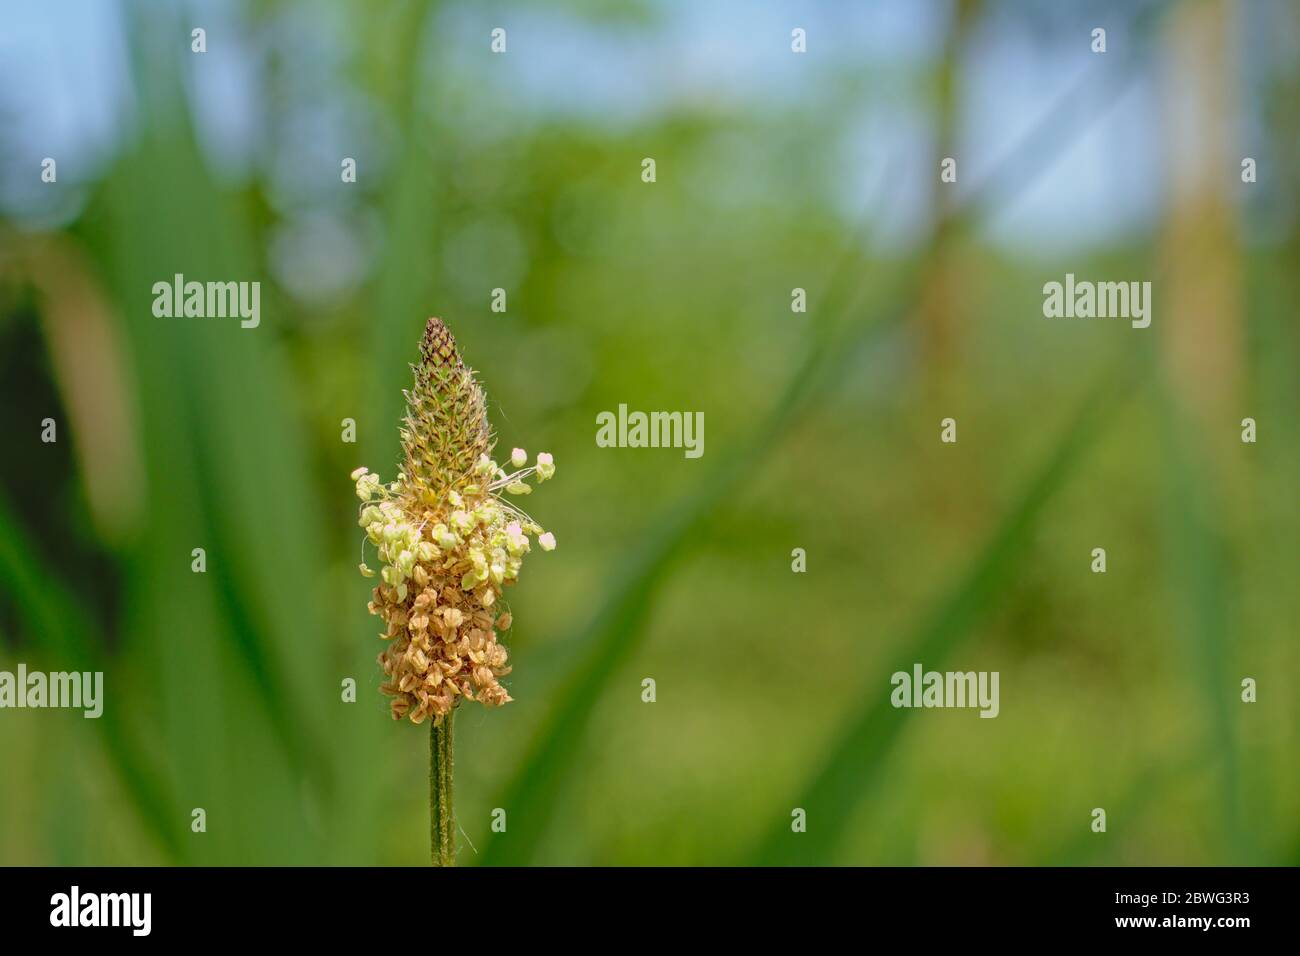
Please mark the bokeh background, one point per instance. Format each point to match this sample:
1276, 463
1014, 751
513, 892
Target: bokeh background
774, 171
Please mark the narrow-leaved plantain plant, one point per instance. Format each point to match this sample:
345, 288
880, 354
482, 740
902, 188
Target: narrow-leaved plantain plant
449, 543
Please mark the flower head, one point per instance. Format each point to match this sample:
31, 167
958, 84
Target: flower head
447, 542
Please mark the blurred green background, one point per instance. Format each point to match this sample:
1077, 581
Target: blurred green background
775, 171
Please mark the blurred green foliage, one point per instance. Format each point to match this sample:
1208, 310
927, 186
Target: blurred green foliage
223, 689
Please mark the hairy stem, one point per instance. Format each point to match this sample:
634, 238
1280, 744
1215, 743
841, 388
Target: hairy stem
442, 822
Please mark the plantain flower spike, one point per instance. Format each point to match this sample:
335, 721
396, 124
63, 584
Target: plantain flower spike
447, 542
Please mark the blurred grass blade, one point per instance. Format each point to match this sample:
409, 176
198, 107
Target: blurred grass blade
404, 283
239, 713
855, 761
400, 295
53, 619
1197, 569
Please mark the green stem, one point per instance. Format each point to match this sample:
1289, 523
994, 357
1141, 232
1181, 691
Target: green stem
442, 822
